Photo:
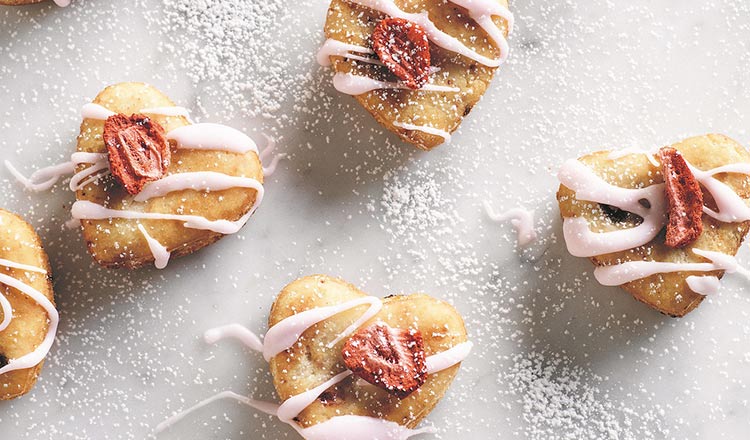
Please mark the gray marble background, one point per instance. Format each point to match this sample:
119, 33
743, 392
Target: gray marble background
556, 355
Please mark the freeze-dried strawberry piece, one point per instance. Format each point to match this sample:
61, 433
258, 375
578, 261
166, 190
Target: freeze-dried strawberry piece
685, 199
403, 47
138, 150
390, 358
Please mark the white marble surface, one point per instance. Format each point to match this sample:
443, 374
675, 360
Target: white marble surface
353, 201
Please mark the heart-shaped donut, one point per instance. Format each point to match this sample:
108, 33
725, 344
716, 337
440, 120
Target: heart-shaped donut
28, 319
667, 243
316, 355
419, 67
211, 181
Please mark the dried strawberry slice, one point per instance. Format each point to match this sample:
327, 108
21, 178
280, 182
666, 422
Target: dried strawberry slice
138, 150
390, 358
685, 199
403, 47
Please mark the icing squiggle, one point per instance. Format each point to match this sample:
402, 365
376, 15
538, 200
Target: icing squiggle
268, 153
35, 357
520, 218
284, 335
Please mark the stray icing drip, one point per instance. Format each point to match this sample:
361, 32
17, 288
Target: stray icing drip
425, 129
478, 9
284, 335
703, 285
352, 84
581, 241
268, 153
520, 218
31, 359
62, 3
209, 136
160, 253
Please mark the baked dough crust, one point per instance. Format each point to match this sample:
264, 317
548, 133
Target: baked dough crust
666, 292
354, 24
310, 363
118, 243
21, 244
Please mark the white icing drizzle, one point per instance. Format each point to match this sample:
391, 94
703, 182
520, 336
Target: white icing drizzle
198, 181
62, 3
209, 136
31, 359
425, 129
480, 10
294, 405
521, 219
87, 210
265, 407
284, 335
234, 331
628, 271
352, 84
160, 253
703, 285
731, 207
333, 47
99, 162
268, 153
448, 358
581, 241
42, 179
96, 111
